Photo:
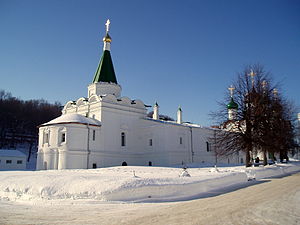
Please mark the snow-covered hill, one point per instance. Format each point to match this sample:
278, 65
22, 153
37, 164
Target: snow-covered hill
130, 183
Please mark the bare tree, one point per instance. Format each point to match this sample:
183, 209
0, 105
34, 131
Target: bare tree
262, 119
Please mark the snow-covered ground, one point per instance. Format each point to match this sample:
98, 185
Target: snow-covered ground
131, 183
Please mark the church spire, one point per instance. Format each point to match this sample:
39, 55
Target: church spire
105, 71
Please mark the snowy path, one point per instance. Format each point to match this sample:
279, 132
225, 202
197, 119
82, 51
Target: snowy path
274, 201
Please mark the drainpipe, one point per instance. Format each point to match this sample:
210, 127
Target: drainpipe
192, 149
88, 147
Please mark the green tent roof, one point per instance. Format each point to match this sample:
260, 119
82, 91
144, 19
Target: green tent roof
105, 71
232, 104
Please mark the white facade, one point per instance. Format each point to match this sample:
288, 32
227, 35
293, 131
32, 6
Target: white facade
117, 131
124, 136
106, 129
12, 160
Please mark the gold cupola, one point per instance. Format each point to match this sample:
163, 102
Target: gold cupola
107, 38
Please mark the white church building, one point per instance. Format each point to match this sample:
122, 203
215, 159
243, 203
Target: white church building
108, 129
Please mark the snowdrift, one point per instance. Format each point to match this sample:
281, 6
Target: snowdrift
129, 183
272, 171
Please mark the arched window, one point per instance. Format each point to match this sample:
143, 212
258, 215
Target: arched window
123, 139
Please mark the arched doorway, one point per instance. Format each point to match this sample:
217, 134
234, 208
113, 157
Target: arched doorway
124, 163
150, 163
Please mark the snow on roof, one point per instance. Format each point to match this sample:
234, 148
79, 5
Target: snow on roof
11, 153
185, 124
73, 118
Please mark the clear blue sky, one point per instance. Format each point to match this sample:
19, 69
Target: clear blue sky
174, 52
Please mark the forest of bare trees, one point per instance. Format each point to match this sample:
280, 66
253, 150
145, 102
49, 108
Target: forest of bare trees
19, 119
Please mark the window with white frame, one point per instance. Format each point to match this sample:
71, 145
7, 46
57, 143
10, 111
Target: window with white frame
62, 135
46, 135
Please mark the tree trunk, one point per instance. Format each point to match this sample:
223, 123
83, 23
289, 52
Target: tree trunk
29, 152
248, 162
281, 156
265, 158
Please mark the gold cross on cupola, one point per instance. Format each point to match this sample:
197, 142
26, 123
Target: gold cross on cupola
252, 75
231, 89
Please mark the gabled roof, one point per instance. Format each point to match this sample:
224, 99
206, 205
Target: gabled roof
105, 71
